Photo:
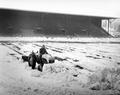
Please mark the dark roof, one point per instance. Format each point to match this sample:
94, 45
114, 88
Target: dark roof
90, 16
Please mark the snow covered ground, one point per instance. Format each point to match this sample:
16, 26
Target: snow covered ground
69, 75
62, 39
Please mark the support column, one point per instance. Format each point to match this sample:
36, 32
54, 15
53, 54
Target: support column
108, 25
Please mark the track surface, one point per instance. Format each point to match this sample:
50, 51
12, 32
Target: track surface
69, 74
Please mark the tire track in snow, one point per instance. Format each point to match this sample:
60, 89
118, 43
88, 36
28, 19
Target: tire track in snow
12, 48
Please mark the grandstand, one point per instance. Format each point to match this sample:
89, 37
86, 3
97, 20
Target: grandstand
28, 23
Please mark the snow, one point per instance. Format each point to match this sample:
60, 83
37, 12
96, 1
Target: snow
74, 63
61, 39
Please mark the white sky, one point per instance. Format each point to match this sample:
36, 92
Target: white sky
110, 8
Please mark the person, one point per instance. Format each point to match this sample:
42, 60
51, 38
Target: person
42, 51
32, 60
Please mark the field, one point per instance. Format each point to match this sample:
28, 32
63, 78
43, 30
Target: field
76, 60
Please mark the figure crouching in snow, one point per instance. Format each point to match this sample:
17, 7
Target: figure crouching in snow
32, 60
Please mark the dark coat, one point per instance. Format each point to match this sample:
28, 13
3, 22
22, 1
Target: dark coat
43, 51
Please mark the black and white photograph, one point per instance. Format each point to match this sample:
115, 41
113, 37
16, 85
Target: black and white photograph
59, 47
